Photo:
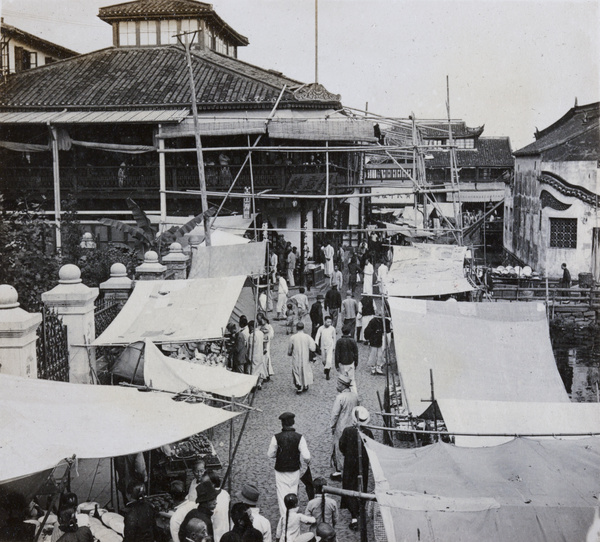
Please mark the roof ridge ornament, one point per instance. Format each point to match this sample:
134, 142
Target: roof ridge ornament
315, 92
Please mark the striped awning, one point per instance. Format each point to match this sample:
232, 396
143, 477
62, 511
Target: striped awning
146, 116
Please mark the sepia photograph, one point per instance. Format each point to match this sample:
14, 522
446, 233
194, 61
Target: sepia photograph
299, 271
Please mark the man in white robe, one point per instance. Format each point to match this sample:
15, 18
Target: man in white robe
300, 347
326, 338
329, 253
282, 293
256, 353
341, 417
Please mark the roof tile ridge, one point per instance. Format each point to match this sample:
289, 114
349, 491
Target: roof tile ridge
265, 70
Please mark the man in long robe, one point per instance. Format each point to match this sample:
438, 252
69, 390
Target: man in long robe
300, 347
256, 353
282, 292
352, 466
328, 252
326, 338
341, 417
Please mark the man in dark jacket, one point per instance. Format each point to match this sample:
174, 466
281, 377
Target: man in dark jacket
287, 448
207, 501
374, 334
333, 303
316, 315
353, 467
140, 516
346, 356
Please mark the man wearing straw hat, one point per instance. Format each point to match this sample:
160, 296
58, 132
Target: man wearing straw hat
250, 495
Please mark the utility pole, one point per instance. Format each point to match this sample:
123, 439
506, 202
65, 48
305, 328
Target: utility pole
187, 43
316, 41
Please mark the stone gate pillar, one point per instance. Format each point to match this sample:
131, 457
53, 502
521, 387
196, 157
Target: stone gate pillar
176, 262
17, 335
119, 286
151, 269
74, 302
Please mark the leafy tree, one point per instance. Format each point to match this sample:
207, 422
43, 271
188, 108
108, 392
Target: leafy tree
29, 262
146, 234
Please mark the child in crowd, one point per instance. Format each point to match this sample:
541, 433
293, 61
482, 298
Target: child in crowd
322, 508
290, 323
288, 528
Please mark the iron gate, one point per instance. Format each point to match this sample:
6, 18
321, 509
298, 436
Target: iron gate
52, 347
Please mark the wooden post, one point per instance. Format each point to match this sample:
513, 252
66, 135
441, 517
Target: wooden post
162, 177
252, 190
56, 177
326, 186
362, 520
200, 156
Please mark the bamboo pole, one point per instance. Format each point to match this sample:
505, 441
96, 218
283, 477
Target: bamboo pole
56, 179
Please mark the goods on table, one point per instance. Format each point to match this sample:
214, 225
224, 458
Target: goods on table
162, 502
196, 445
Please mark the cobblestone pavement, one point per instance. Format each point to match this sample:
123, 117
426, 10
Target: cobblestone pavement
312, 411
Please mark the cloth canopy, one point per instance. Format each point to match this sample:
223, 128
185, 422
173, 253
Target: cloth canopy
525, 490
517, 418
228, 260
477, 351
407, 231
427, 270
174, 311
42, 422
177, 375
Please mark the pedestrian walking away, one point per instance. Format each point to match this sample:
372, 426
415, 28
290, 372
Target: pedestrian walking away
288, 448
349, 312
301, 302
352, 466
322, 507
328, 252
368, 277
367, 312
300, 347
325, 340
291, 267
341, 417
346, 357
374, 334
316, 315
250, 495
333, 303
288, 528
282, 292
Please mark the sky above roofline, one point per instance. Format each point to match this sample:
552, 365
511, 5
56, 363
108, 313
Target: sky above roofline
512, 65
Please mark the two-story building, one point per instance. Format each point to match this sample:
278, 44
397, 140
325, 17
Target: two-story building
117, 123
20, 50
551, 209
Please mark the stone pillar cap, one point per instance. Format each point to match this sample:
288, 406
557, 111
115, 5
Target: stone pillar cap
151, 257
118, 270
8, 297
69, 274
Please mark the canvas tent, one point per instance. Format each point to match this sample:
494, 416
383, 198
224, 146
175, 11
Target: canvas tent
477, 351
176, 375
525, 490
174, 311
228, 260
521, 418
42, 422
425, 270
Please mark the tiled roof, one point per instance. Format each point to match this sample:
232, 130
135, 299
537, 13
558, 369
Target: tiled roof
575, 136
439, 130
154, 77
50, 48
162, 9
488, 152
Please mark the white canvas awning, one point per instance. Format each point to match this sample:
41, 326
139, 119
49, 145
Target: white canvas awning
174, 311
517, 418
523, 491
177, 375
227, 260
423, 270
477, 351
42, 422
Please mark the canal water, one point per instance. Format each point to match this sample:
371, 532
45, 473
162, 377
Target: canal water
577, 354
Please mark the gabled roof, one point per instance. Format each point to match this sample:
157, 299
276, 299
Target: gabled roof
440, 130
488, 152
575, 136
154, 77
48, 47
169, 9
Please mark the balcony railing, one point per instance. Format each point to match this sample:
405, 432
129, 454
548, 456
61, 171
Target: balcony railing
107, 178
